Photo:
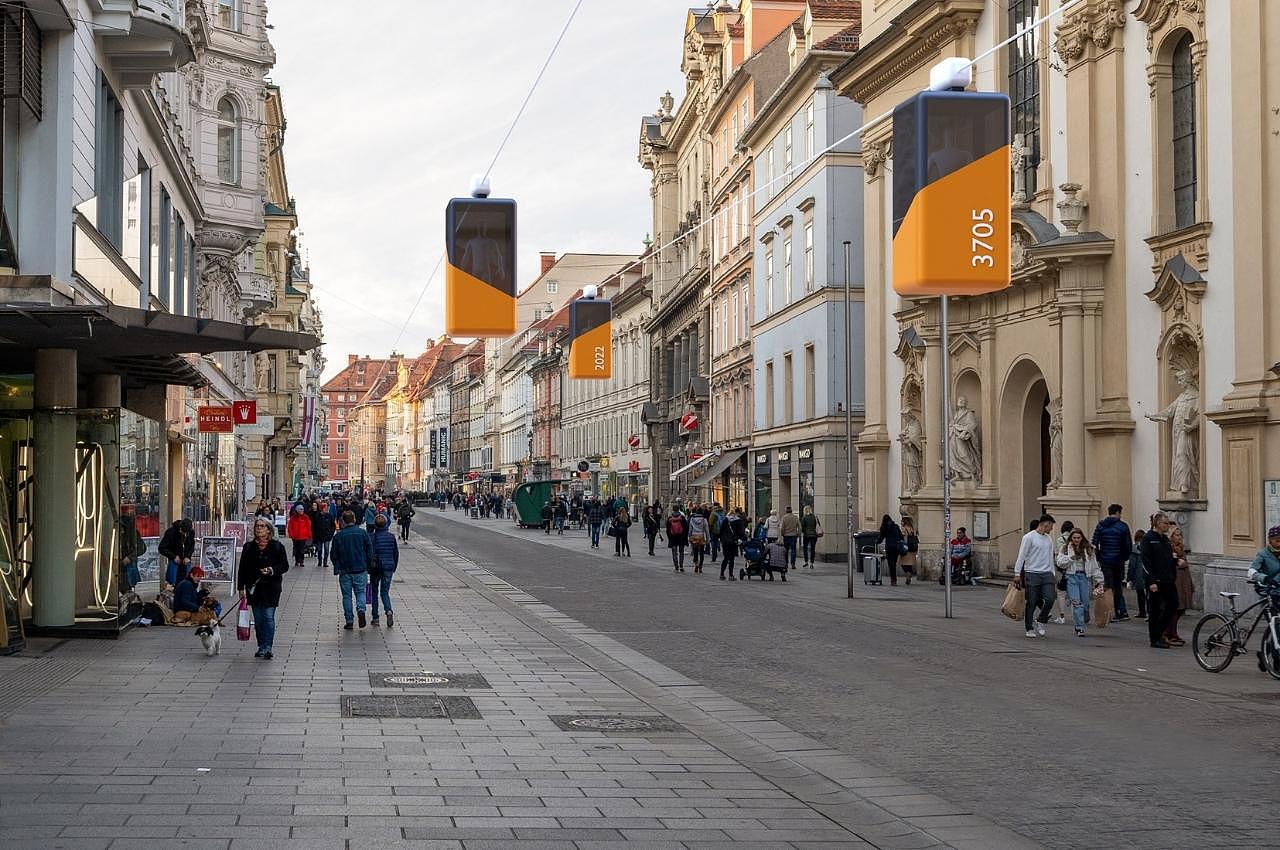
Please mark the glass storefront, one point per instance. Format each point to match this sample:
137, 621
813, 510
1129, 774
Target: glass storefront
764, 482
804, 466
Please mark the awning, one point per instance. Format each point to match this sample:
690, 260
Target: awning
691, 464
143, 346
727, 459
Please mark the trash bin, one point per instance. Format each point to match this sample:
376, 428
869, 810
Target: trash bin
863, 540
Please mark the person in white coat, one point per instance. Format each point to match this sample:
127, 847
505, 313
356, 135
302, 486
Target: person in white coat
1080, 562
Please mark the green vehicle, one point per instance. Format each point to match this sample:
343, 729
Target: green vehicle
530, 498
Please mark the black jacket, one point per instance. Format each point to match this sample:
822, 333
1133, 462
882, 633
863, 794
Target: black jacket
321, 526
264, 590
1157, 558
176, 544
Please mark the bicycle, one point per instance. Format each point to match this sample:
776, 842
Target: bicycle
1217, 639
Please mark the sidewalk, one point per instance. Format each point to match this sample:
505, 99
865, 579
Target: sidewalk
542, 731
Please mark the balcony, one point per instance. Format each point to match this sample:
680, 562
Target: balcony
141, 38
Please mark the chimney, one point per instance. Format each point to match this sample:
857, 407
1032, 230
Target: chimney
548, 260
352, 358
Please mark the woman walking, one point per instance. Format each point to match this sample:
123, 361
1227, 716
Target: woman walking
810, 531
299, 530
1137, 574
908, 559
621, 522
1182, 581
386, 557
677, 538
650, 520
1083, 575
772, 527
891, 537
699, 536
1061, 601
262, 563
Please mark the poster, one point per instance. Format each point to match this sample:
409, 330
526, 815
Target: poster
218, 558
1270, 503
237, 530
150, 564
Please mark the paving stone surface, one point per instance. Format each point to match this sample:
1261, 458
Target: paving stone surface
146, 739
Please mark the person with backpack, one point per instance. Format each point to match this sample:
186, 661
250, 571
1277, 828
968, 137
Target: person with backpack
404, 515
810, 531
621, 522
894, 545
386, 557
677, 537
699, 534
650, 519
714, 518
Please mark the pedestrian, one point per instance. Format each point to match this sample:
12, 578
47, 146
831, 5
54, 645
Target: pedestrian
894, 545
370, 516
714, 518
263, 562
321, 533
299, 531
386, 558
699, 534
790, 530
404, 514
1162, 575
595, 519
1035, 573
1114, 541
621, 522
352, 554
1080, 563
650, 521
1182, 582
677, 537
810, 531
908, 559
772, 527
1061, 602
561, 514
733, 531
1136, 577
546, 515
177, 545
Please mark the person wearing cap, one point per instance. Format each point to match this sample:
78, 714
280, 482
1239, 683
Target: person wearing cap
188, 595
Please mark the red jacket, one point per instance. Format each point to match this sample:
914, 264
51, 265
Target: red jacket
299, 527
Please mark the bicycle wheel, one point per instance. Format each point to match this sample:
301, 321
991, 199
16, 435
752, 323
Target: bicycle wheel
1270, 655
1214, 642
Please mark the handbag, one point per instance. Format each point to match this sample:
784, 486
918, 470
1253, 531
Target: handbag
903, 547
244, 622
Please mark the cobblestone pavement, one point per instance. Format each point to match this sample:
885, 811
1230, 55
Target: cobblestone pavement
1056, 739
570, 739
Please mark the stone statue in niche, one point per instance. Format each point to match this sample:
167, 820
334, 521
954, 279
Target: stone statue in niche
966, 444
263, 370
1183, 418
1055, 442
912, 451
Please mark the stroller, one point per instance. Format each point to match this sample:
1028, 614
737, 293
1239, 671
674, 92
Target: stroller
763, 559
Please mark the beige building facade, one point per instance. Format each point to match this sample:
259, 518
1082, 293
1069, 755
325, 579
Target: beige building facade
1130, 361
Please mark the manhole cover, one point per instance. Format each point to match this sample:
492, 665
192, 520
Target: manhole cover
613, 723
427, 679
420, 707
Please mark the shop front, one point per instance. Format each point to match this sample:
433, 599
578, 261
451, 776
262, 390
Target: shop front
764, 482
805, 476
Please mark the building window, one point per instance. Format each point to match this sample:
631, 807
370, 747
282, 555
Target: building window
768, 394
730, 324
810, 382
342, 471
743, 110
809, 149
109, 165
786, 150
342, 448
165, 265
786, 270
179, 266
228, 141
1184, 134
342, 428
768, 173
788, 389
808, 256
717, 336
746, 305
737, 129
1024, 84
229, 14
553, 286
768, 281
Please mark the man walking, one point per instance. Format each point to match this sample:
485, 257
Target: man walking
790, 527
1162, 588
404, 513
595, 518
352, 554
322, 533
1034, 573
1114, 543
677, 537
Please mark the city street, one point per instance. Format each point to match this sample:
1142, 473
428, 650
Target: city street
1053, 739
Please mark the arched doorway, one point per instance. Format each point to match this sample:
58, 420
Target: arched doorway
1023, 444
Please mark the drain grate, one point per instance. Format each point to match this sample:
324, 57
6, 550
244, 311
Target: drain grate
420, 707
428, 679
613, 723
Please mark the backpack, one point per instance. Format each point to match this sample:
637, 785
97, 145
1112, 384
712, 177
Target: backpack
675, 526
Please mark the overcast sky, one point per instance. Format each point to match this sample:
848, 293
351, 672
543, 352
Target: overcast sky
392, 107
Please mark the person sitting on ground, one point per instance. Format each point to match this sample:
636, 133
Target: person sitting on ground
189, 595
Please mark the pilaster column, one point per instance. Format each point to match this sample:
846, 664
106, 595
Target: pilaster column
1073, 401
933, 436
53, 582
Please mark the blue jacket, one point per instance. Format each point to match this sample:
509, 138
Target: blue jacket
386, 550
370, 515
1114, 541
1267, 564
351, 551
187, 596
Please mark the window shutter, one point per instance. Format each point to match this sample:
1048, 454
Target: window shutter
20, 59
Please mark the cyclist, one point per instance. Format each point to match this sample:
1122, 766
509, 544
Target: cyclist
1265, 570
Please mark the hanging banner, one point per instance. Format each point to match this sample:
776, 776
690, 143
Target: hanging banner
308, 430
245, 411
433, 449
480, 275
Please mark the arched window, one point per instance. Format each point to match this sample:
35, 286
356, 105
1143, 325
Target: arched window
1183, 105
228, 141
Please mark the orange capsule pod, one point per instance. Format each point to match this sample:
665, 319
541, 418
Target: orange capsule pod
480, 275
590, 339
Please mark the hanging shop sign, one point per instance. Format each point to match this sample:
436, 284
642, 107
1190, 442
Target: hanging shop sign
634, 441
689, 421
245, 411
215, 420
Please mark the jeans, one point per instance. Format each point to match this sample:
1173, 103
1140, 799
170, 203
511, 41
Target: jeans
677, 557
790, 542
1114, 575
698, 552
322, 552
404, 530
381, 585
715, 548
1080, 592
352, 585
264, 624
1040, 588
810, 550
595, 534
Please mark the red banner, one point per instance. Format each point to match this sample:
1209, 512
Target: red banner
215, 420
246, 412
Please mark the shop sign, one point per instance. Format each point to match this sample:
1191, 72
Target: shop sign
434, 464
263, 426
634, 466
604, 463
763, 462
215, 420
246, 411
784, 461
634, 441
689, 421
584, 466
804, 457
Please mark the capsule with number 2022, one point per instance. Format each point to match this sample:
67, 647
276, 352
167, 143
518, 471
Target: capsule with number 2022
480, 277
951, 194
590, 338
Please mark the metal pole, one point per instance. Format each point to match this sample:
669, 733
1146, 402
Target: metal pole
946, 458
848, 421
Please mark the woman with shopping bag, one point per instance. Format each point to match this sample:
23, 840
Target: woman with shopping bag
263, 562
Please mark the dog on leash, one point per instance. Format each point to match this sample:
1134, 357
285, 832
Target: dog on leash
210, 637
